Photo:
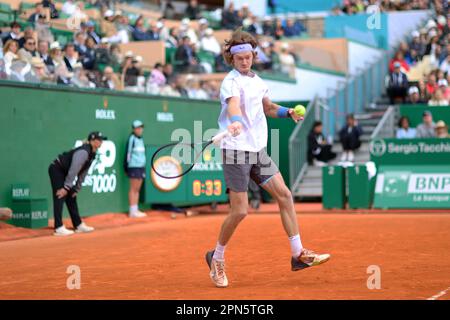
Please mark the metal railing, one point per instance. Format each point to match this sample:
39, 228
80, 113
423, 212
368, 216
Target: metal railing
386, 126
298, 144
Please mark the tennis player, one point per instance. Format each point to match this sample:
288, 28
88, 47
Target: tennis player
245, 104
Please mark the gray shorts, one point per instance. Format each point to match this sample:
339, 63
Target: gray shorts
240, 166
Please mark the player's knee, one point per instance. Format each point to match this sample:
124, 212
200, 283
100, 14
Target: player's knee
284, 195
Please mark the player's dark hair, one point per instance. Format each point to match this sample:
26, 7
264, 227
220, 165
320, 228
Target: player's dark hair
238, 37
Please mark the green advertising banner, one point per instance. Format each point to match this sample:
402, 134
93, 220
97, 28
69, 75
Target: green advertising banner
410, 151
413, 187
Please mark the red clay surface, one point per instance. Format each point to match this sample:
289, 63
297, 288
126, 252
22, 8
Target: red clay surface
162, 258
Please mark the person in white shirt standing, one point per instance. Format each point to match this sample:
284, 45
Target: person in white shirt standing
245, 104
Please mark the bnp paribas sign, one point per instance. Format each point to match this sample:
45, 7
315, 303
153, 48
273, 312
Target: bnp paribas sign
410, 151
423, 186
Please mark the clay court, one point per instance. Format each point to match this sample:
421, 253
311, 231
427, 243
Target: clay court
163, 258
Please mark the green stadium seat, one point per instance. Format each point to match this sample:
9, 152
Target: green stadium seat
208, 57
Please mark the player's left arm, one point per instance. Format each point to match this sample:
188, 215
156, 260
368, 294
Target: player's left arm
274, 110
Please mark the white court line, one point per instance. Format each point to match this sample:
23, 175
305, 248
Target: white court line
440, 294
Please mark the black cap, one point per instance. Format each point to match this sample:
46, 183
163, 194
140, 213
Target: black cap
96, 135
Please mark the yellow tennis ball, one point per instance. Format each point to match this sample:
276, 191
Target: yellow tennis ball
300, 110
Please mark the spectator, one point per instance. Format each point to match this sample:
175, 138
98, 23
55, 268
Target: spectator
443, 87
168, 71
417, 45
169, 10
210, 44
193, 10
110, 80
107, 26
102, 53
88, 59
116, 56
194, 89
37, 73
442, 130
92, 33
350, 136
185, 56
290, 30
427, 128
140, 33
154, 31
70, 56
397, 84
267, 27
424, 96
43, 52
28, 51
80, 44
43, 30
431, 85
404, 131
156, 80
414, 96
229, 17
52, 8
445, 65
412, 58
27, 33
10, 50
287, 61
80, 77
38, 12
131, 73
399, 59
188, 31
63, 75
278, 31
56, 58
18, 70
319, 151
14, 34
172, 40
254, 27
438, 99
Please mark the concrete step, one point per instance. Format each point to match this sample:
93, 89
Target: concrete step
308, 192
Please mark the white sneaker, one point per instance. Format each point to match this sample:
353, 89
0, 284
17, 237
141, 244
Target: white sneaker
318, 163
63, 231
83, 228
351, 156
137, 214
344, 156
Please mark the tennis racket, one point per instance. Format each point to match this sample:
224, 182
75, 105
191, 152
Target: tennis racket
174, 160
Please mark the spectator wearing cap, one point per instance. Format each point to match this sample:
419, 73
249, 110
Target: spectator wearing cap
56, 57
134, 166
70, 56
209, 43
404, 130
397, 84
414, 96
442, 130
131, 73
67, 173
107, 27
38, 11
38, 71
427, 128
193, 10
102, 53
287, 60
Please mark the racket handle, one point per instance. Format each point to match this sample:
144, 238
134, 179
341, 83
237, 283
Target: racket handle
216, 139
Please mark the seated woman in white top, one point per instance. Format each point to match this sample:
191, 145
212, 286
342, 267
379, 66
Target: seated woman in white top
404, 131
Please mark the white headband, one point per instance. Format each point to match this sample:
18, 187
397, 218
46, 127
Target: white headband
241, 48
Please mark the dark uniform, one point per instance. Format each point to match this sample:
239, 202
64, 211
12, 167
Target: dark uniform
63, 171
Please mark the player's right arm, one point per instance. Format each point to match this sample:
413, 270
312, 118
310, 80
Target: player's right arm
235, 116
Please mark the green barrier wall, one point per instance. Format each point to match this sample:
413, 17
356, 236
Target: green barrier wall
414, 113
37, 122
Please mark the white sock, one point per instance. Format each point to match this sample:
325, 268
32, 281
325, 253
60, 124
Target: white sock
219, 252
133, 209
296, 245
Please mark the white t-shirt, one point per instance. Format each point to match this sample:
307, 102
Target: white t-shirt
251, 90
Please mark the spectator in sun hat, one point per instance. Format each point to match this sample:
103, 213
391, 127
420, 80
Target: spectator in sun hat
134, 165
442, 130
427, 128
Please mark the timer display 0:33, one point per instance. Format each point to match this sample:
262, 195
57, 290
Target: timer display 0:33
208, 188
